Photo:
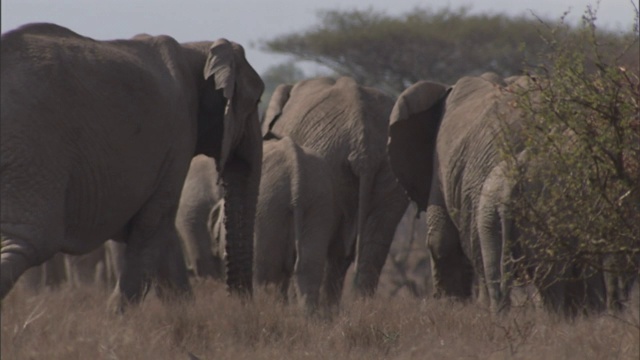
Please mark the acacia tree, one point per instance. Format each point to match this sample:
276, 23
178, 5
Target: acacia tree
394, 52
582, 135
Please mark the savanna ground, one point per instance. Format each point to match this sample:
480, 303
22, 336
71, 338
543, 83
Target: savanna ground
74, 324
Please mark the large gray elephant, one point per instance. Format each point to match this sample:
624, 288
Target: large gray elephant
200, 194
347, 125
97, 137
444, 149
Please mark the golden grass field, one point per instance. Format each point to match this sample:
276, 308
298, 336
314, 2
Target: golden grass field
73, 323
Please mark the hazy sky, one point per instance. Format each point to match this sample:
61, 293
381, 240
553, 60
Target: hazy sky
249, 21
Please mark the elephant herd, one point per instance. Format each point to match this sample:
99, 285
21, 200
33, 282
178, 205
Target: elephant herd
159, 146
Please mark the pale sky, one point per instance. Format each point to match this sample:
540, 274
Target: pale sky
249, 21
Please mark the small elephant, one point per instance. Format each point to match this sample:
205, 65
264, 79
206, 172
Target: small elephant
97, 137
296, 220
347, 125
200, 194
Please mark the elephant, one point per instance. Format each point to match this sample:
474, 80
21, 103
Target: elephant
444, 148
200, 194
296, 219
347, 125
97, 137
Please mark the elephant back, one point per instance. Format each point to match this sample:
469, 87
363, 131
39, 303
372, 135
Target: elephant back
355, 119
478, 112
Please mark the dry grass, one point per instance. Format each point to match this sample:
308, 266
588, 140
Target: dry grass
74, 324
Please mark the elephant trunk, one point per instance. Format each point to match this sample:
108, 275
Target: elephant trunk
241, 178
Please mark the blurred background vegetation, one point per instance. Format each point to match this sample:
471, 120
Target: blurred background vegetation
582, 134
393, 52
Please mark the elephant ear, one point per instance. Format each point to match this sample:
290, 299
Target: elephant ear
242, 88
274, 110
413, 127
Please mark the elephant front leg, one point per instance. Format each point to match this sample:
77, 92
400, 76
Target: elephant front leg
151, 252
451, 270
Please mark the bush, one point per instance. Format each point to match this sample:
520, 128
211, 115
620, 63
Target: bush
580, 189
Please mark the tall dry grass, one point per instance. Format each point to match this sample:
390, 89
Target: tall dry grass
74, 324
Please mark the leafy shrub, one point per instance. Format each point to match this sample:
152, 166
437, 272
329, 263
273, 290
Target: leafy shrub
579, 188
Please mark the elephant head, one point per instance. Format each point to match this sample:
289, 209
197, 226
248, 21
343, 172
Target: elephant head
237, 149
241, 86
414, 123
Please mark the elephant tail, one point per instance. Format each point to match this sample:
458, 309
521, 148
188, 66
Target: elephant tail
297, 183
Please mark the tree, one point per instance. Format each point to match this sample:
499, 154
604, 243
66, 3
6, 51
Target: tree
395, 52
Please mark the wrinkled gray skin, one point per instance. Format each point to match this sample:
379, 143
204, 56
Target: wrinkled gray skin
444, 149
347, 125
296, 219
200, 195
441, 159
96, 141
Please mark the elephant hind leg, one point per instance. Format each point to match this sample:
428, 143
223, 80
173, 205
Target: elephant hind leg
451, 270
311, 250
172, 279
338, 262
494, 237
387, 206
452, 275
153, 251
